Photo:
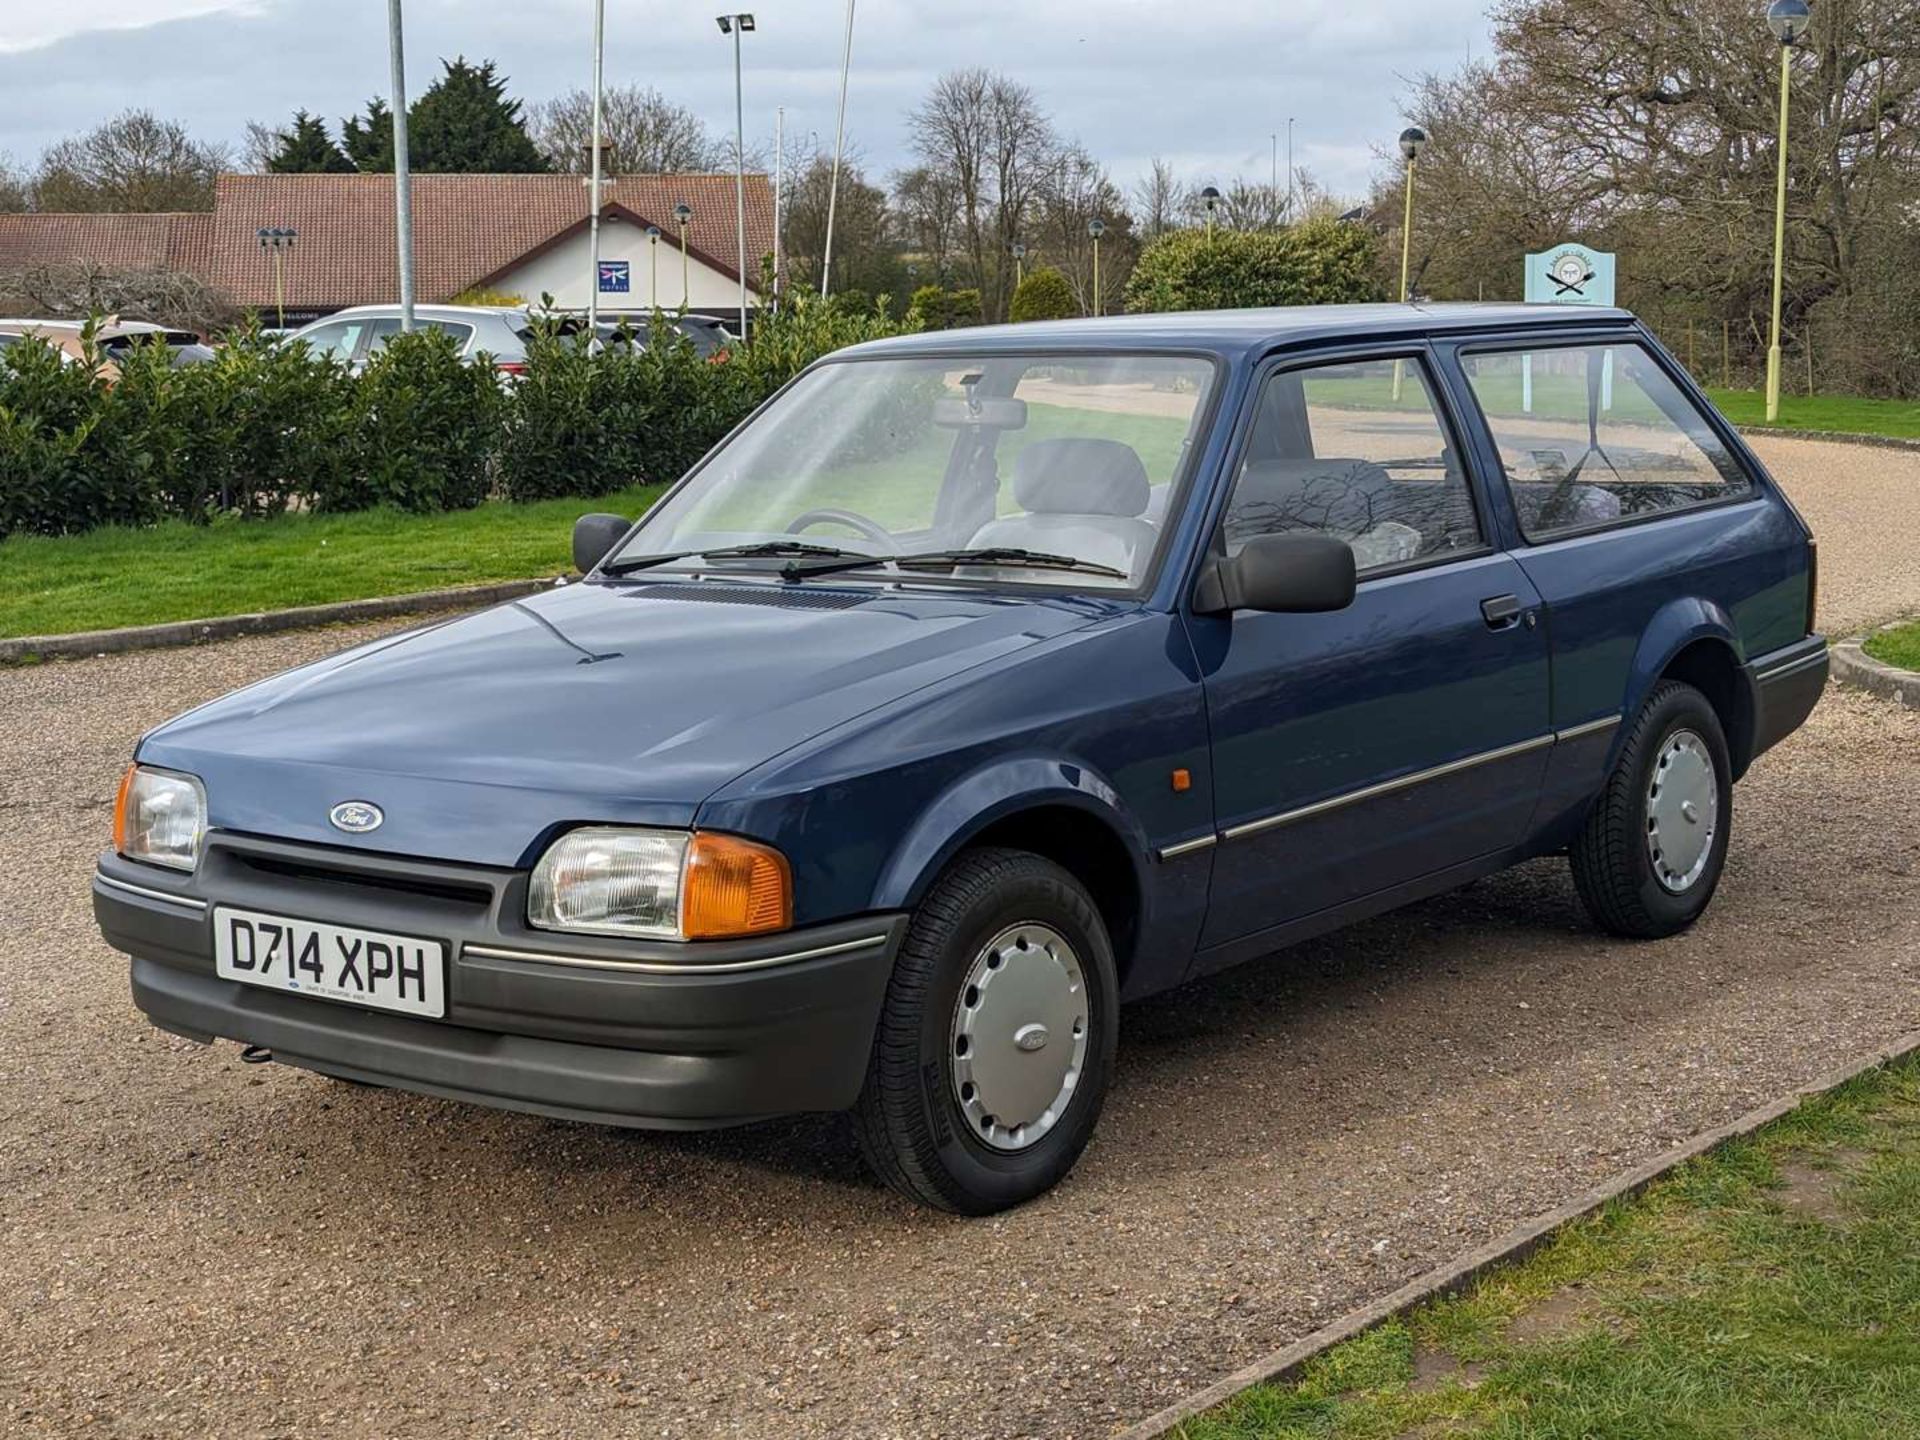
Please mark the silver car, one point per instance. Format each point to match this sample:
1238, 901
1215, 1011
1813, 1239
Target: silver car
497, 331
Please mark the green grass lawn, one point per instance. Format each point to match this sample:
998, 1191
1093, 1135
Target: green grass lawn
1849, 413
1771, 1288
1897, 646
176, 571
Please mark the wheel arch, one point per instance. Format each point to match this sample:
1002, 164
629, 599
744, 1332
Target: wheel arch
1695, 642
1061, 810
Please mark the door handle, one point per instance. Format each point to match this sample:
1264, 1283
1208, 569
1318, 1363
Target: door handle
1502, 612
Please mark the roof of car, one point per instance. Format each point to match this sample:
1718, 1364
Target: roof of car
1237, 331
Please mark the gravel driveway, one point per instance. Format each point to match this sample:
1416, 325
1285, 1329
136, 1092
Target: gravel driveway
194, 1246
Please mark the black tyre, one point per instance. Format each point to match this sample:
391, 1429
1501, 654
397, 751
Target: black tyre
996, 1040
1654, 845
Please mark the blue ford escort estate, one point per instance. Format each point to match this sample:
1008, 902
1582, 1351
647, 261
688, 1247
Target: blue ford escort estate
979, 682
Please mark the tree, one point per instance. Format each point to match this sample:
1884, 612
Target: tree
926, 214
1077, 191
368, 138
983, 139
645, 133
1161, 201
1043, 295
134, 162
14, 187
1317, 262
307, 149
864, 257
465, 124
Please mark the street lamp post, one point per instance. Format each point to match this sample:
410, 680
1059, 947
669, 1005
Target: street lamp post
1788, 19
1096, 227
1290, 171
402, 178
682, 213
839, 145
1019, 264
278, 240
653, 256
1210, 198
1412, 141
736, 26
593, 183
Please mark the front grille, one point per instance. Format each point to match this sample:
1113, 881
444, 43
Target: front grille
358, 876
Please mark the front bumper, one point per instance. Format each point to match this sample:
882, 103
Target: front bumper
580, 1027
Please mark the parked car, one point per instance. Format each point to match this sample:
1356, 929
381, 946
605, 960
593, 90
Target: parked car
112, 335
981, 681
497, 331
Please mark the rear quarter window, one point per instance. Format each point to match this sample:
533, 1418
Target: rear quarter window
1597, 434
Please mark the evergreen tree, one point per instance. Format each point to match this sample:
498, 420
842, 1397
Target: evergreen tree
465, 124
368, 139
307, 149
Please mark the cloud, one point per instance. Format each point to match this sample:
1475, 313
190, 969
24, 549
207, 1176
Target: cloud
27, 27
1201, 82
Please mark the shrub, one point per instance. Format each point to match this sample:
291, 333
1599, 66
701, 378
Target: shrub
935, 307
422, 430
1318, 262
65, 465
1043, 295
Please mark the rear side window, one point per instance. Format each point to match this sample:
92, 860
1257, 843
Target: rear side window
1357, 451
1597, 434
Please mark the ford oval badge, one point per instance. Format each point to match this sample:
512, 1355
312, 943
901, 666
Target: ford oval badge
356, 817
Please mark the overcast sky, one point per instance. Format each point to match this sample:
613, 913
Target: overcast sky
1201, 82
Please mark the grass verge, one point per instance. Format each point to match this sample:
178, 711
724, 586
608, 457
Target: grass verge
1851, 414
1770, 1288
1899, 645
106, 578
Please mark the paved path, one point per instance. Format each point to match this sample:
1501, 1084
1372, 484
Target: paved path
197, 1247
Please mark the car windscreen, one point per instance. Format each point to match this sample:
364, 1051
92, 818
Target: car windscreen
1030, 459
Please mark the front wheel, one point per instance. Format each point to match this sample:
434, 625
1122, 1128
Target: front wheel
1651, 853
997, 1037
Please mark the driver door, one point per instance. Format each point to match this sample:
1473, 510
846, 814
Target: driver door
1364, 749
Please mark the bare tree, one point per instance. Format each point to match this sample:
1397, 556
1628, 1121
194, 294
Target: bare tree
14, 186
863, 254
986, 140
646, 133
927, 215
1077, 192
133, 162
80, 289
1161, 202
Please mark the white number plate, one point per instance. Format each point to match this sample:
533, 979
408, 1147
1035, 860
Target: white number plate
361, 967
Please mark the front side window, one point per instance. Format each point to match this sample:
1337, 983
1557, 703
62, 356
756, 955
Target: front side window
1595, 434
1357, 451
1071, 457
337, 340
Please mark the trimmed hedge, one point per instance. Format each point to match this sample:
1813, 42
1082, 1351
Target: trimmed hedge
1043, 295
266, 425
1317, 262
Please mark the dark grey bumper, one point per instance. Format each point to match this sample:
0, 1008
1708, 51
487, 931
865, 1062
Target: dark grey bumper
618, 1032
1787, 684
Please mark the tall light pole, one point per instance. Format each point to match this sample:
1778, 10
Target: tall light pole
736, 26
653, 255
839, 148
402, 176
1210, 198
593, 184
682, 213
278, 240
779, 191
1019, 264
1096, 227
1290, 169
1412, 141
1788, 19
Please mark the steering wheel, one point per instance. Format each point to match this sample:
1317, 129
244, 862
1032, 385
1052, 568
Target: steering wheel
871, 529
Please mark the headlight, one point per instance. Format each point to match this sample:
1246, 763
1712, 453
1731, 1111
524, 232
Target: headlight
661, 884
160, 817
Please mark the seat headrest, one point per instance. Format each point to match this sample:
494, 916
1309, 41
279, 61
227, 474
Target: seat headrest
1080, 476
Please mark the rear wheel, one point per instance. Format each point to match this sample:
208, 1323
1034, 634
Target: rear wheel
1650, 857
997, 1037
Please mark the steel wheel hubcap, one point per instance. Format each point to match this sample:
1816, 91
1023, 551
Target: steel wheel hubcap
1019, 1036
1683, 811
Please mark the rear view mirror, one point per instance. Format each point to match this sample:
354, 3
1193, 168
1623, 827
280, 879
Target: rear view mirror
954, 412
594, 536
1298, 573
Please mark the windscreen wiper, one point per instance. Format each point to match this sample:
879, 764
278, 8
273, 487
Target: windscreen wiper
949, 559
773, 549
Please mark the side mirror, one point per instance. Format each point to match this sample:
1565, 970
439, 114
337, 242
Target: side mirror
1300, 573
594, 536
